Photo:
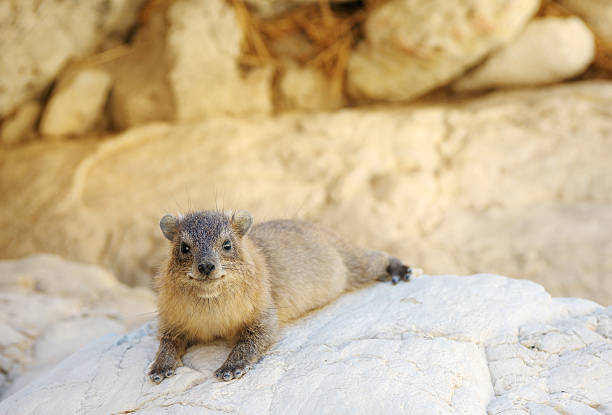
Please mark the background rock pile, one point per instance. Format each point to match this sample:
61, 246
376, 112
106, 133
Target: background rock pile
110, 65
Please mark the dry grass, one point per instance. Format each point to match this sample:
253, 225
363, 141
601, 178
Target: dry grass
331, 35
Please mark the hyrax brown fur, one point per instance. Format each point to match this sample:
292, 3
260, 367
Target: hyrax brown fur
225, 278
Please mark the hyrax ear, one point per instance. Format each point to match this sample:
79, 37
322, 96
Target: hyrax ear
169, 226
241, 221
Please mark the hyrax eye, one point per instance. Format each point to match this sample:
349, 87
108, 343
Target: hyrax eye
185, 248
227, 245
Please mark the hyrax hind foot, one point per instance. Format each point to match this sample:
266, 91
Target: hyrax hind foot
398, 271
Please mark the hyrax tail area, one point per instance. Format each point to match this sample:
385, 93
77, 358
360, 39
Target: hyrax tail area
311, 265
365, 266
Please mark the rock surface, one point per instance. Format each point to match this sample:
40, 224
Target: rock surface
77, 104
183, 66
414, 46
526, 171
22, 124
597, 13
548, 50
141, 90
308, 89
205, 77
437, 345
50, 307
38, 38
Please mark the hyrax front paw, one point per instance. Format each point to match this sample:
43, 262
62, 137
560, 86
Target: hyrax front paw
232, 370
161, 370
398, 271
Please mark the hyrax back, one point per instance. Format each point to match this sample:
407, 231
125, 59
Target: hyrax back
225, 278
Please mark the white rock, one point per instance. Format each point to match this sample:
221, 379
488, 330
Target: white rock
204, 41
38, 38
77, 104
548, 50
427, 347
414, 46
597, 13
21, 125
50, 307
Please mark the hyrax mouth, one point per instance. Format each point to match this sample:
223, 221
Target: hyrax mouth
207, 279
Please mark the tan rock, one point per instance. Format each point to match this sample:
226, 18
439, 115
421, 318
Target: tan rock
495, 184
204, 40
141, 90
21, 125
50, 307
414, 46
38, 38
77, 103
597, 13
548, 50
183, 65
308, 89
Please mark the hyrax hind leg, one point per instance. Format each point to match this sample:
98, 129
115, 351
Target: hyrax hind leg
397, 270
365, 266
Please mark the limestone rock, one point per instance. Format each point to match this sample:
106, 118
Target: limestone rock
50, 307
141, 90
183, 65
77, 104
549, 50
308, 89
436, 345
417, 181
204, 39
414, 46
597, 13
21, 125
38, 38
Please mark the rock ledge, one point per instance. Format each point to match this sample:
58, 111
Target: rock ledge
441, 345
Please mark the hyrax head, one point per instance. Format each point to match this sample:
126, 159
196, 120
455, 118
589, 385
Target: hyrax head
206, 246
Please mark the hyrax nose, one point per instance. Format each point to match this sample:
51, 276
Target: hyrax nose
206, 268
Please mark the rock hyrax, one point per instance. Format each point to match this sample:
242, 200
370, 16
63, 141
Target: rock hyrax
225, 278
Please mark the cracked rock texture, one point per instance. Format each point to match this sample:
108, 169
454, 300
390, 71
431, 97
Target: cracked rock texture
436, 345
50, 307
528, 172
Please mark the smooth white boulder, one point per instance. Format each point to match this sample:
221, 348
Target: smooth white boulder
548, 50
441, 344
412, 46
